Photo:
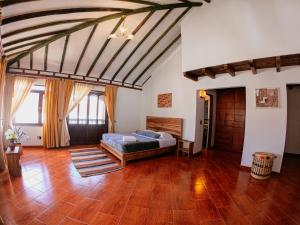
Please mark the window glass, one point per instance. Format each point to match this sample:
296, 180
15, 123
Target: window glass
73, 115
83, 111
93, 109
29, 110
101, 110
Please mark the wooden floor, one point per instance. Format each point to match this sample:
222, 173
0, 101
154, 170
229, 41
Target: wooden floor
208, 189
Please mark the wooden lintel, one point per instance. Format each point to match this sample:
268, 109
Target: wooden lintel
252, 67
229, 70
191, 75
208, 72
278, 63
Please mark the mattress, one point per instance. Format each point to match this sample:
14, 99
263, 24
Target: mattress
143, 143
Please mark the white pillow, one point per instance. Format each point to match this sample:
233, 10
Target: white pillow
164, 135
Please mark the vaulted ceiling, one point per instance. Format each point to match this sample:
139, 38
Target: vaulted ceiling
69, 38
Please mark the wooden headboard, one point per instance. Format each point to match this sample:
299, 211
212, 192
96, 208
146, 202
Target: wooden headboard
171, 125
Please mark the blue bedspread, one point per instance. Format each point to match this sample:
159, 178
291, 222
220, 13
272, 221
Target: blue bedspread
116, 141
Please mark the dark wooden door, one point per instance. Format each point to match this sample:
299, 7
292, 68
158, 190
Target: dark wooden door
230, 119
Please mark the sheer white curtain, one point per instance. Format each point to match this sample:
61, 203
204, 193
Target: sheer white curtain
22, 88
79, 92
16, 91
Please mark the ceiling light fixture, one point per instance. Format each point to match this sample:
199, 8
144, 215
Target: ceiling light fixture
122, 33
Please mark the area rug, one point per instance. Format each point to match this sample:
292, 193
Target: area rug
93, 161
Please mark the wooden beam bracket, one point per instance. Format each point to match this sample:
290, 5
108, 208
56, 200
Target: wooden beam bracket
229, 70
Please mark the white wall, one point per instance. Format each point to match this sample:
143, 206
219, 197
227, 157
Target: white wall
168, 78
265, 128
234, 30
128, 110
128, 115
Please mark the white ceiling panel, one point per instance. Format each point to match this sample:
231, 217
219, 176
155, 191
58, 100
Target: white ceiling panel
55, 51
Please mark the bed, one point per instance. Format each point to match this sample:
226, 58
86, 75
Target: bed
145, 146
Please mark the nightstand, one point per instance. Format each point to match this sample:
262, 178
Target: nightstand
13, 161
186, 147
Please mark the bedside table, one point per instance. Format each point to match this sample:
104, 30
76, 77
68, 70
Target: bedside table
13, 161
186, 147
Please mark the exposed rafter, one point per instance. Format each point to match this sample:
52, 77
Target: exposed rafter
64, 53
12, 2
60, 12
104, 47
125, 43
49, 24
22, 46
100, 20
141, 2
140, 43
32, 37
155, 43
156, 58
46, 58
85, 47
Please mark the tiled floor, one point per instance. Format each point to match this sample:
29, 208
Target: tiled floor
208, 189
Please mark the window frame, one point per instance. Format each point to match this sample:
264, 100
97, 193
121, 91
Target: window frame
40, 111
98, 93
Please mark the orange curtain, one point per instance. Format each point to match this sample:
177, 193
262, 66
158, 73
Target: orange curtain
68, 87
2, 85
51, 136
110, 101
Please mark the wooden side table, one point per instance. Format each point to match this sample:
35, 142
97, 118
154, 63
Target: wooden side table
187, 150
13, 161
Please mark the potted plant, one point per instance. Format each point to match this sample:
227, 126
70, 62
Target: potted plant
11, 136
15, 136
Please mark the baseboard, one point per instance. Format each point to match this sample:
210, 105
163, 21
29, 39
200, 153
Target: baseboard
33, 146
245, 168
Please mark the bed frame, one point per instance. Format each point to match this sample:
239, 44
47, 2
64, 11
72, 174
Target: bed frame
170, 125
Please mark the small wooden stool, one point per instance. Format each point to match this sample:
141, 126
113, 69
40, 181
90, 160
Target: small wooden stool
13, 161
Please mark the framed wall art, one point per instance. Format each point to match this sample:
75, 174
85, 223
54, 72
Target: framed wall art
267, 97
164, 100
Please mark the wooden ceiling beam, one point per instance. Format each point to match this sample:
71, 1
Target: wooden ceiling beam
46, 58
17, 41
21, 46
64, 53
140, 43
156, 58
65, 11
141, 24
141, 2
155, 43
85, 48
52, 74
252, 67
104, 46
103, 19
208, 72
13, 2
43, 25
229, 70
278, 63
191, 75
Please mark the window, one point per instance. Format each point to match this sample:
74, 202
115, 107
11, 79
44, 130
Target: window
30, 112
91, 110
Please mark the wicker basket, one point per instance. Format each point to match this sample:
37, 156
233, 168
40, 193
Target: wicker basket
262, 165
